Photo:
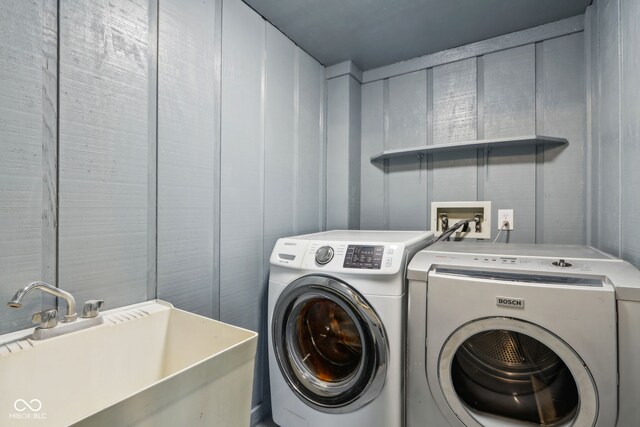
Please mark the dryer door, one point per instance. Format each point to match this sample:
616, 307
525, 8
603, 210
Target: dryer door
329, 344
495, 369
517, 371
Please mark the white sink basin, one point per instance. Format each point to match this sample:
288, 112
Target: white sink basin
149, 364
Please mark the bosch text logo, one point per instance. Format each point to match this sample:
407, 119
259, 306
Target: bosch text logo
510, 302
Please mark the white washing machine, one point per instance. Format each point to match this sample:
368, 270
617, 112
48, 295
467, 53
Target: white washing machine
509, 335
336, 314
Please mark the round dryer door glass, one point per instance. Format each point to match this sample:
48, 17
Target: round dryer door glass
329, 344
514, 376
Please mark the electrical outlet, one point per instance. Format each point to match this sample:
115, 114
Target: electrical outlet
445, 214
505, 215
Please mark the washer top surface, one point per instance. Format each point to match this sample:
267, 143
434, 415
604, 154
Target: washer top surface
356, 236
562, 260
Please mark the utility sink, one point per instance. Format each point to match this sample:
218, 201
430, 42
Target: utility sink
148, 364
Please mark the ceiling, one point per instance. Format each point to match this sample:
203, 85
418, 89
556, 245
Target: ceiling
373, 33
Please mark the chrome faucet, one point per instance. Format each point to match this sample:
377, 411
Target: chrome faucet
16, 301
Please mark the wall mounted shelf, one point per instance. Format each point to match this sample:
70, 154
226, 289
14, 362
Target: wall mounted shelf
519, 141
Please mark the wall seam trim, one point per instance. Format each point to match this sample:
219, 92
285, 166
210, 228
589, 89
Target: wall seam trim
385, 167
296, 138
480, 154
620, 135
217, 185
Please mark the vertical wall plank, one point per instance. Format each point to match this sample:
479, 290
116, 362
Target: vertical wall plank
50, 142
509, 110
103, 150
280, 168
310, 144
609, 127
455, 119
21, 163
564, 114
343, 153
630, 112
217, 154
242, 163
152, 153
242, 285
187, 138
407, 128
353, 222
372, 142
337, 152
279, 138
591, 40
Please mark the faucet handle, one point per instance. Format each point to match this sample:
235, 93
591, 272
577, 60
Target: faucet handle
46, 319
92, 308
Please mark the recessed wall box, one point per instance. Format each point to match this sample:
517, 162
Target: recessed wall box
445, 215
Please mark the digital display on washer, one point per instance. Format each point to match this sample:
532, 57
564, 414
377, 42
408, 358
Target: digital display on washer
368, 257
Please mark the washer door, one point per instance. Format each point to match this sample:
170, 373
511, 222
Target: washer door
329, 344
501, 370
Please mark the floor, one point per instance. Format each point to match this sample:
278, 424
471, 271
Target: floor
267, 422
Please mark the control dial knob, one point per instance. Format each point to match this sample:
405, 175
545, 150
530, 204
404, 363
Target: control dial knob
324, 255
562, 263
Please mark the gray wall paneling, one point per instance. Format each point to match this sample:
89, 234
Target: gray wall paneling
188, 138
279, 139
343, 152
355, 110
272, 121
630, 131
372, 184
280, 172
564, 114
27, 141
50, 143
152, 152
560, 28
407, 127
309, 205
526, 88
609, 128
103, 151
338, 152
242, 171
615, 132
509, 110
455, 119
591, 38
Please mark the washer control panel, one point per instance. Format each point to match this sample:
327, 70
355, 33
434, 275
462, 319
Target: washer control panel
365, 257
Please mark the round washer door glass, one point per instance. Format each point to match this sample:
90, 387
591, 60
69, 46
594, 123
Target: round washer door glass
329, 343
516, 371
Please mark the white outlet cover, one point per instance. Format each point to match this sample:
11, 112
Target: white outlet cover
505, 215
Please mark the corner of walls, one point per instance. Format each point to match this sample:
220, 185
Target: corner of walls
343, 146
615, 104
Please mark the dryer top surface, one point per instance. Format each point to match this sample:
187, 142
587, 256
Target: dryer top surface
580, 261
